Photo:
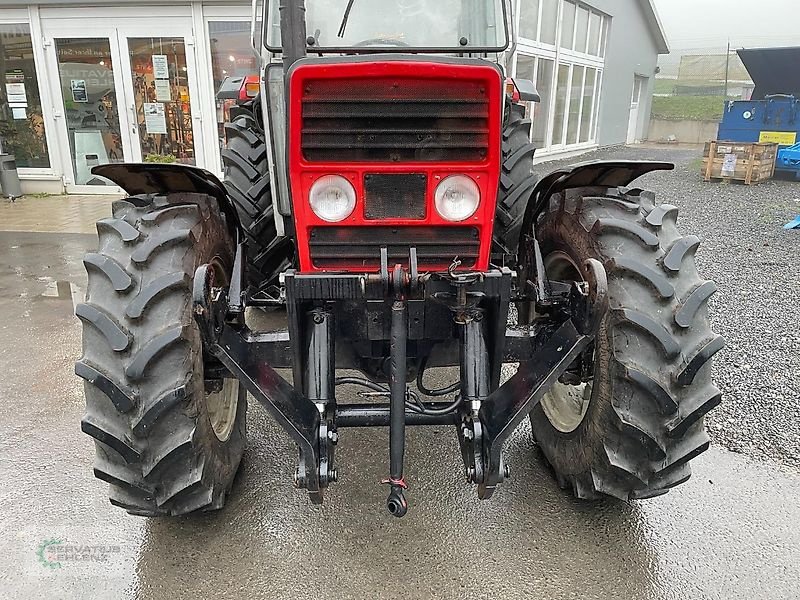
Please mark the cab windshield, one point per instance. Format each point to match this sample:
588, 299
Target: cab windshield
434, 25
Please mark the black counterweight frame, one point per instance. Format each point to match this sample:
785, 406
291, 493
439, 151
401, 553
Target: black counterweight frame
399, 316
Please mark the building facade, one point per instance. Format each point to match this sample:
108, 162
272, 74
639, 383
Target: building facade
87, 82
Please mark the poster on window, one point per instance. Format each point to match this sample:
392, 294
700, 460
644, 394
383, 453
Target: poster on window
78, 89
15, 92
155, 120
162, 90
160, 66
15, 76
15, 88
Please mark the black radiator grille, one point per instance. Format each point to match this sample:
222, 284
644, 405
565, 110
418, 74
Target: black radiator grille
400, 196
360, 247
393, 120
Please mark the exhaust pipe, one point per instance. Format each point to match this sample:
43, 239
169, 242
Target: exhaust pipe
293, 31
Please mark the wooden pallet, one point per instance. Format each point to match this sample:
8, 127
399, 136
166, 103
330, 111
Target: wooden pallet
737, 162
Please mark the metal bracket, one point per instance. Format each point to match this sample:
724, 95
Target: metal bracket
483, 435
237, 287
298, 415
506, 407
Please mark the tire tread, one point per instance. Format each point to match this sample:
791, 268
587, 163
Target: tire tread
665, 387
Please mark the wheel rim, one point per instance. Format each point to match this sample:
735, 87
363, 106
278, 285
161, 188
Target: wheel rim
565, 405
222, 397
221, 405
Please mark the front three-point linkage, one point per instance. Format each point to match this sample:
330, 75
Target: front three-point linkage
305, 415
400, 284
488, 419
483, 411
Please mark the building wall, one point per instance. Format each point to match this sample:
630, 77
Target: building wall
631, 51
58, 133
628, 50
599, 82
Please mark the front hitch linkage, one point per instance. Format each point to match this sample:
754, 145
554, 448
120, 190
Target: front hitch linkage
396, 502
485, 412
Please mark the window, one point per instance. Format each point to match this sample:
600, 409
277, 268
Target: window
604, 37
568, 25
526, 67
638, 82
581, 29
421, 24
587, 106
562, 90
91, 110
576, 105
567, 66
595, 22
21, 123
529, 19
598, 86
231, 56
544, 85
549, 21
575, 93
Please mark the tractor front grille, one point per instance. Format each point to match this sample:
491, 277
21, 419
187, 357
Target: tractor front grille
399, 196
355, 248
393, 119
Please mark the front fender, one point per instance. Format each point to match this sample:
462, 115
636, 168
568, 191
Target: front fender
163, 179
602, 173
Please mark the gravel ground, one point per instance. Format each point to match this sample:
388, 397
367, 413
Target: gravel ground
754, 262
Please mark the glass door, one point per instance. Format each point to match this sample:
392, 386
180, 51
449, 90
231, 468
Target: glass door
160, 99
92, 124
128, 95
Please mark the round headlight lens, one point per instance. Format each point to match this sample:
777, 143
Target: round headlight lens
457, 198
332, 198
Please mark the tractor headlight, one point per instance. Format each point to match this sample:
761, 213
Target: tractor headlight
332, 198
457, 198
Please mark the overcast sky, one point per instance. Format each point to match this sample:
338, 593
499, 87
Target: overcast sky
709, 23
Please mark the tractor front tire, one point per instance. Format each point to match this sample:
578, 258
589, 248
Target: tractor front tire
631, 431
167, 440
516, 181
248, 185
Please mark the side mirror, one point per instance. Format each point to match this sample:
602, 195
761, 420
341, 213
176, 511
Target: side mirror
526, 90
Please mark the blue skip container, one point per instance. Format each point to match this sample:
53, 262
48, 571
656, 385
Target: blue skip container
772, 115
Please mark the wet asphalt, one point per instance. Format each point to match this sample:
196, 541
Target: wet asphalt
733, 531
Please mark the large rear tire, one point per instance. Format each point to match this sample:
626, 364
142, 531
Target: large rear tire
248, 184
632, 428
167, 440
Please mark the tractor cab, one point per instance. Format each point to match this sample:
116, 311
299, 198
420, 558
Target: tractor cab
426, 26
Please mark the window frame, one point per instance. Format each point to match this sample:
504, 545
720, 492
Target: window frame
203, 20
30, 17
571, 58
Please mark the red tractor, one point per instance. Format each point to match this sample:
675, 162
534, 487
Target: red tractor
379, 186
